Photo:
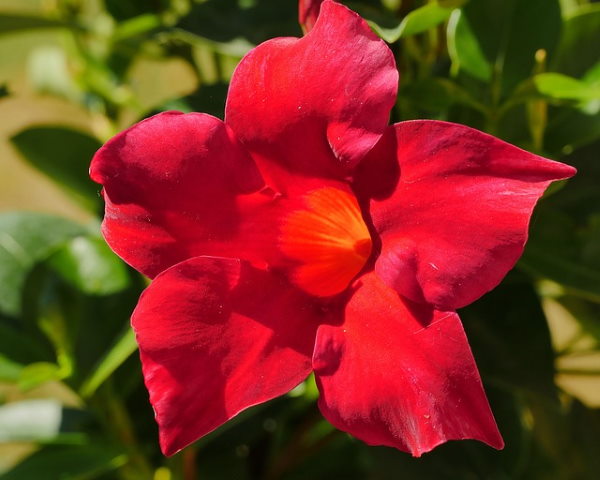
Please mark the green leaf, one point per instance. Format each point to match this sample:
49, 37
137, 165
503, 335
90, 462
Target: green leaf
544, 262
123, 11
571, 128
38, 373
9, 371
223, 21
67, 463
26, 238
437, 94
64, 155
576, 52
562, 87
90, 266
120, 351
507, 329
586, 314
48, 72
464, 49
424, 18
17, 23
495, 39
417, 21
135, 26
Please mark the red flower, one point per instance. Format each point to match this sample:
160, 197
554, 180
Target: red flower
308, 11
303, 234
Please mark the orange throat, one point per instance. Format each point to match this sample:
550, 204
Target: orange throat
327, 241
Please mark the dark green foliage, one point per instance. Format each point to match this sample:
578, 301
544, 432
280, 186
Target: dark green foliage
70, 379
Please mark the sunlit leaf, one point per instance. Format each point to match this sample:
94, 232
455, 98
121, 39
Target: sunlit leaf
417, 21
26, 238
120, 351
16, 23
424, 18
48, 72
562, 87
494, 39
38, 373
67, 462
89, 265
9, 371
576, 52
64, 155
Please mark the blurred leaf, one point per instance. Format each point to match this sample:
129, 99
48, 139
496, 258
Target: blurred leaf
423, 18
464, 50
417, 21
78, 328
576, 54
585, 438
437, 94
541, 260
120, 10
89, 265
569, 129
120, 351
64, 155
67, 463
136, 26
592, 76
4, 91
497, 39
38, 373
235, 47
9, 371
586, 314
26, 238
512, 344
17, 23
562, 87
49, 73
223, 20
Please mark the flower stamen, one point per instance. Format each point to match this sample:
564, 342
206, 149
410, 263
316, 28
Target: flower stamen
327, 240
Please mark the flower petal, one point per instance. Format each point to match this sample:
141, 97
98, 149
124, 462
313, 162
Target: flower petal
217, 336
176, 186
315, 104
456, 220
308, 11
400, 374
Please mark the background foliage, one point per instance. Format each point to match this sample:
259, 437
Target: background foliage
75, 72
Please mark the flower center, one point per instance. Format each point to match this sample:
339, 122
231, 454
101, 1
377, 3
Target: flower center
327, 240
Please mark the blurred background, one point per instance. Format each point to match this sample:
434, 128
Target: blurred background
75, 72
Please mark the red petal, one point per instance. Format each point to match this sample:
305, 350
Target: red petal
176, 186
456, 221
310, 105
217, 336
308, 11
400, 374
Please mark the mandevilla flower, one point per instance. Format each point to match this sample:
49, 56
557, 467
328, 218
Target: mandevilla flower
303, 234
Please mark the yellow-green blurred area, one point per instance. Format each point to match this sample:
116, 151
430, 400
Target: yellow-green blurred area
75, 72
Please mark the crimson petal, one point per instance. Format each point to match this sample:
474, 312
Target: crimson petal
176, 186
313, 104
456, 221
308, 11
400, 374
217, 336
